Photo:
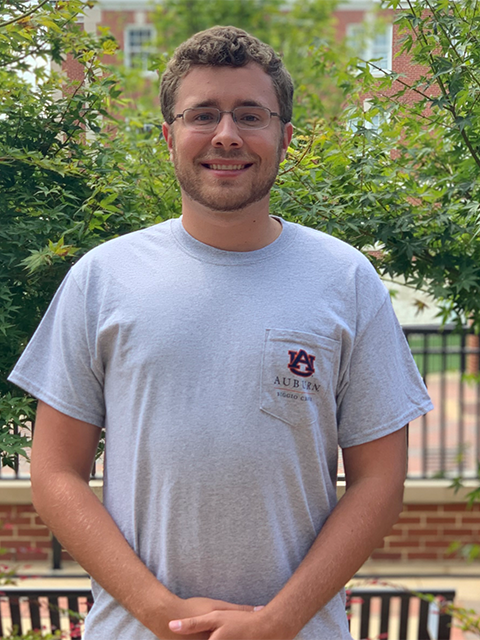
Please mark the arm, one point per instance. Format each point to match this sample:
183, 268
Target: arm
375, 474
62, 456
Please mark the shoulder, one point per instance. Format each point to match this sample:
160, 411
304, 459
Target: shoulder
319, 240
340, 274
113, 258
331, 253
130, 242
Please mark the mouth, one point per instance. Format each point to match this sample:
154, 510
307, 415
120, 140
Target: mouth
226, 167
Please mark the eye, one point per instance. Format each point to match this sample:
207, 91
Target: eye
201, 116
251, 117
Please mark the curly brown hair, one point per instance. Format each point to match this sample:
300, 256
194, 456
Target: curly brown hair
225, 47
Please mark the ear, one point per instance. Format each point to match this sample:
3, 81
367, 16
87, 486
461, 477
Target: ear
287, 136
168, 135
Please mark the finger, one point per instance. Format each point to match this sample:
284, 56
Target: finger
227, 606
192, 625
259, 608
245, 607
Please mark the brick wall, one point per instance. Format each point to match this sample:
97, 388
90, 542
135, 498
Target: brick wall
426, 531
423, 532
23, 536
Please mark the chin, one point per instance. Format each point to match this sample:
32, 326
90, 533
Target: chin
228, 203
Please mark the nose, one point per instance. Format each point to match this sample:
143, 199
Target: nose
226, 134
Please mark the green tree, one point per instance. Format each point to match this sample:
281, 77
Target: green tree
71, 175
307, 26
403, 176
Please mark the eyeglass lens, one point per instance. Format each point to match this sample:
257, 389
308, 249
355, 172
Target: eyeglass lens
206, 119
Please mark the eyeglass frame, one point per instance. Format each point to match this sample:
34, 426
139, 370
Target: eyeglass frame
220, 113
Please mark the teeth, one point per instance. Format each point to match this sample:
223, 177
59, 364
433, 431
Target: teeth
226, 167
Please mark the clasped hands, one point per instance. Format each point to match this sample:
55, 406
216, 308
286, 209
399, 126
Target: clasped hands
206, 619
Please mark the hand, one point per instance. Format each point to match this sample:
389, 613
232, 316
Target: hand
230, 625
193, 608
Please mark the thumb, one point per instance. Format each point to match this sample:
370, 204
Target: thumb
192, 625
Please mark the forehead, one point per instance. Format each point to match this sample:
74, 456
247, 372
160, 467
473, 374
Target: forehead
226, 87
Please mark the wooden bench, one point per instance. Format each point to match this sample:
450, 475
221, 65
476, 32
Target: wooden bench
63, 608
43, 608
376, 606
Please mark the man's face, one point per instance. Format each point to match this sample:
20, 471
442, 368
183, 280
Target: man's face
229, 168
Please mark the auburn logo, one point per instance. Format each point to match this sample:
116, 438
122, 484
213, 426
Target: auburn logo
301, 363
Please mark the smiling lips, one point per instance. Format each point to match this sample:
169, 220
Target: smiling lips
226, 167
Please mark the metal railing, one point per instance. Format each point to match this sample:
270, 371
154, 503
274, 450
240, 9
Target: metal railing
445, 442
21, 470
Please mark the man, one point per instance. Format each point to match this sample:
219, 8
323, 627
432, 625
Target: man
227, 353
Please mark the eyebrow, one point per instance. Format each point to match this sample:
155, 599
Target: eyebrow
216, 104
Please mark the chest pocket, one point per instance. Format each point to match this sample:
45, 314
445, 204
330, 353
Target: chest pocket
299, 376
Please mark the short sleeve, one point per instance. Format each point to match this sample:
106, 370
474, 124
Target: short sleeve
383, 390
57, 365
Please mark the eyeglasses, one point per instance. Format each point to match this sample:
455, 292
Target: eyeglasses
246, 118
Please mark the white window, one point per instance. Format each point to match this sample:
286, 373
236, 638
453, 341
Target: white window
374, 120
372, 42
381, 48
139, 40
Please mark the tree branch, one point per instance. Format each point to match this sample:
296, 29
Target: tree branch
474, 13
421, 34
34, 52
452, 44
299, 160
470, 147
402, 82
23, 15
451, 106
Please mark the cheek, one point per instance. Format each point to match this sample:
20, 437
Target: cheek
272, 148
188, 149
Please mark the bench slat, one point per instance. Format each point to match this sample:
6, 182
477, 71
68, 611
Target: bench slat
422, 621
365, 616
34, 606
404, 611
15, 613
369, 597
54, 612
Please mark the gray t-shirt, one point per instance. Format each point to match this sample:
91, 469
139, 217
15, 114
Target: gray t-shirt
225, 382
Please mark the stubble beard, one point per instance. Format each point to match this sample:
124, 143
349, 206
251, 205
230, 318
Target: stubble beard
224, 196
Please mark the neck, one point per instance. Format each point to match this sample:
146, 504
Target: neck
247, 229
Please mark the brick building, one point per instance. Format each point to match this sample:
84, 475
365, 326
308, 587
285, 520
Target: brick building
370, 33
433, 516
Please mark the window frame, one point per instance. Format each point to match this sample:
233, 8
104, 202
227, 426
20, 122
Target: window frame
129, 50
366, 33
